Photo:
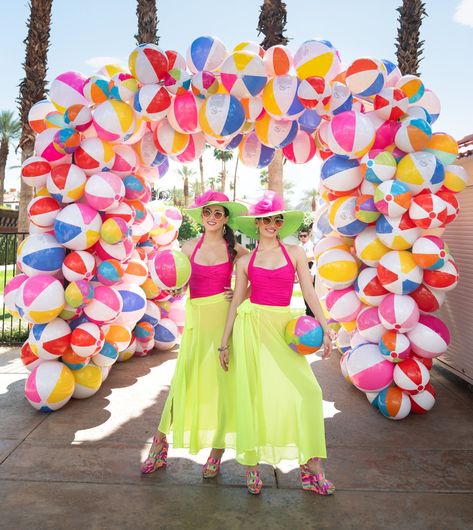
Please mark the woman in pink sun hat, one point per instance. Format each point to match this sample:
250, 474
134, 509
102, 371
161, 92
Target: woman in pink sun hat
200, 408
279, 402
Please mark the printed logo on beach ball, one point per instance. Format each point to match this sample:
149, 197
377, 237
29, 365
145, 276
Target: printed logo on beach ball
276, 133
49, 386
304, 335
421, 171
342, 217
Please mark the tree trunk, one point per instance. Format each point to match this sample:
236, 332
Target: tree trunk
186, 191
201, 170
147, 22
275, 174
235, 178
408, 43
223, 174
313, 204
3, 165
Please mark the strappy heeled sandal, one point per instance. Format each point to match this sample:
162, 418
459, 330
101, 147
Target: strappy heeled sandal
211, 467
316, 482
156, 459
254, 482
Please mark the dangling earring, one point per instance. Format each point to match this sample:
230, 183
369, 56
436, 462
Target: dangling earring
224, 229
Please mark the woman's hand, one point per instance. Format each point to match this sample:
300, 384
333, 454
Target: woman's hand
224, 356
327, 346
228, 293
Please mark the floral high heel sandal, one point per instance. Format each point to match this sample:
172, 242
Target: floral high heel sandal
254, 482
316, 482
211, 467
156, 459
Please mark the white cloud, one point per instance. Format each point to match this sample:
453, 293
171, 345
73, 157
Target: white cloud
464, 13
101, 60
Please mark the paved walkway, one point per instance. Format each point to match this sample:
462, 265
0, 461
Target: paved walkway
78, 468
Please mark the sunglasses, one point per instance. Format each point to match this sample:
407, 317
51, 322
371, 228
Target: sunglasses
207, 213
267, 221
303, 235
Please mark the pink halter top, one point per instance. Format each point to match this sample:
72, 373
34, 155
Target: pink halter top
208, 280
271, 287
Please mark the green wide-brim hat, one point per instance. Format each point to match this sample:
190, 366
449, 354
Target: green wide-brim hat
215, 198
292, 221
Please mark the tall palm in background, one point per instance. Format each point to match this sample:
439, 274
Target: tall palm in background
272, 24
147, 14
308, 202
186, 173
223, 157
33, 87
10, 128
408, 43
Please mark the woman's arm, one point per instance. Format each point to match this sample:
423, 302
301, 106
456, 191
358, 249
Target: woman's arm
239, 295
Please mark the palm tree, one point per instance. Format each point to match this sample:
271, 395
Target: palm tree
408, 43
10, 128
147, 22
272, 23
263, 178
186, 173
308, 202
224, 157
32, 87
235, 176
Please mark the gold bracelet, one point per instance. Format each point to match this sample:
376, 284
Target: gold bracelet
222, 349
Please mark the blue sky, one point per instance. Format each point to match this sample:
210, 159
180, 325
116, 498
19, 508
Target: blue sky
85, 31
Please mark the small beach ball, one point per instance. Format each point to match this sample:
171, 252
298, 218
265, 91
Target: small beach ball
369, 248
317, 58
393, 74
397, 233
86, 339
122, 86
120, 251
445, 278
148, 63
411, 376
390, 103
393, 403
221, 115
126, 160
66, 183
144, 348
165, 334
412, 86
421, 171
49, 386
40, 254
337, 269
205, 53
55, 120
444, 147
392, 198
342, 218
428, 211
368, 370
351, 134
378, 166
277, 60
369, 324
66, 140
280, 98
79, 293
94, 155
28, 358
252, 153
430, 338
88, 381
365, 76
169, 141
456, 178
107, 355
414, 134
114, 121
96, 89
302, 148
340, 174
113, 230
35, 171
42, 211
423, 401
49, 341
44, 147
105, 307
243, 74
40, 299
143, 331
399, 273
343, 304
365, 209
77, 226
304, 334
152, 102
428, 299
37, 114
67, 89
368, 287
170, 269
204, 84
136, 271
398, 312
104, 191
183, 114
314, 90
152, 313
78, 265
395, 346
430, 252
110, 272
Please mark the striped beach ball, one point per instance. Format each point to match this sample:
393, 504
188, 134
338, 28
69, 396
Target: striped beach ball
49, 386
393, 403
277, 60
152, 313
66, 183
356, 339
86, 339
368, 370
94, 155
302, 149
96, 89
28, 358
395, 346
106, 305
453, 206
421, 171
144, 348
67, 89
205, 53
66, 141
165, 334
398, 312
148, 63
314, 90
253, 108
122, 86
183, 114
253, 153
342, 216
88, 381
117, 334
369, 324
134, 304
399, 273
343, 304
276, 133
55, 120
128, 352
369, 248
456, 178
304, 335
430, 252
135, 187
397, 233
42, 211
328, 243
170, 269
114, 230
10, 292
37, 113
110, 272
428, 299
74, 361
431, 103
368, 287
309, 120
204, 84
411, 376
136, 271
249, 46
40, 254
126, 160
114, 121
35, 171
44, 147
78, 265
143, 331
124, 211
343, 366
365, 76
340, 100
280, 98
147, 152
428, 211
393, 74
77, 226
243, 74
169, 141
445, 278
351, 134
152, 102
412, 86
120, 251
430, 338
339, 174
221, 115
79, 293
49, 341
40, 299
444, 147
176, 60
390, 103
194, 149
337, 269
378, 166
423, 401
107, 355
365, 209
414, 134
317, 58
392, 198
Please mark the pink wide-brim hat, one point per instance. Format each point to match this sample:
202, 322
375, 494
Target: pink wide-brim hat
216, 198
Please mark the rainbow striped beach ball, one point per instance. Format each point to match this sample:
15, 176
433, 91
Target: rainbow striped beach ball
304, 334
351, 134
243, 74
378, 166
49, 386
365, 76
170, 269
393, 403
77, 226
368, 369
395, 346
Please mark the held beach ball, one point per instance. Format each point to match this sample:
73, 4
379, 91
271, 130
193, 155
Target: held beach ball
304, 335
49, 386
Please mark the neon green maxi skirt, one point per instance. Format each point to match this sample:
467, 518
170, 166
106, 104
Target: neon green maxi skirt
200, 408
279, 402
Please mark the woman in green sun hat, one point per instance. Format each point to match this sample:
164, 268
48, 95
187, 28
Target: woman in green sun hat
200, 408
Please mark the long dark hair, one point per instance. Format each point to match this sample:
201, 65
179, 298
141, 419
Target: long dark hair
229, 237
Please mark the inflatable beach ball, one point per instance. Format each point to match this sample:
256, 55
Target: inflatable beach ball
38, 112
28, 358
170, 269
44, 147
337, 269
221, 115
421, 171
317, 58
304, 335
66, 183
411, 376
309, 120
204, 84
393, 74
94, 155
343, 304
77, 226
398, 312
104, 191
340, 100
40, 254
392, 198
428, 211
395, 346
49, 386
302, 149
165, 334
393, 403
128, 352
152, 102
143, 348
114, 121
169, 141
134, 304
368, 370
390, 103
277, 60
365, 209
42, 211
453, 206
368, 287
79, 293
430, 337
397, 233
249, 46
120, 251
243, 74
312, 91
10, 292
143, 331
136, 271
176, 60
152, 313
445, 278
79, 117
342, 218
412, 86
369, 324
253, 153
148, 63
399, 273
183, 114
67, 89
117, 334
79, 265
126, 160
378, 166
339, 174
88, 381
107, 355
96, 89
280, 98
328, 243
194, 149
51, 340
122, 86
351, 134
40, 299
205, 53
414, 134
276, 133
35, 171
369, 248
423, 401
86, 339
343, 341
105, 307
114, 230
429, 300
456, 178
365, 76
